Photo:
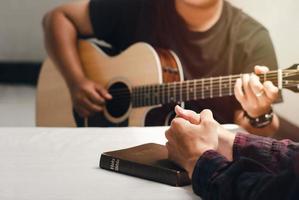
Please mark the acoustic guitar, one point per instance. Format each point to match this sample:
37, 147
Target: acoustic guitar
141, 79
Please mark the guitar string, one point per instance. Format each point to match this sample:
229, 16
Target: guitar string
182, 89
144, 104
206, 93
184, 84
198, 92
225, 92
177, 97
215, 80
225, 78
151, 101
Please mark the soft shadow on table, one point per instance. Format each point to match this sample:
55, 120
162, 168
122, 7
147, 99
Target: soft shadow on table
187, 189
287, 130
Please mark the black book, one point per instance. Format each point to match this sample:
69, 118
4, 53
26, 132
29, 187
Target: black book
148, 161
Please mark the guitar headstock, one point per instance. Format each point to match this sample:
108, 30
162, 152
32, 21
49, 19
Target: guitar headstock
290, 78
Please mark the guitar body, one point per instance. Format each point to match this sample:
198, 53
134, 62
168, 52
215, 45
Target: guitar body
139, 65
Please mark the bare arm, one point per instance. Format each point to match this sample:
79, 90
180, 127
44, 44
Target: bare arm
62, 27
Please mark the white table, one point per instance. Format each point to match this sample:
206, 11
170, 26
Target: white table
47, 163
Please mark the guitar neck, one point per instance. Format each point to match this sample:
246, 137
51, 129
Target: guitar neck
196, 89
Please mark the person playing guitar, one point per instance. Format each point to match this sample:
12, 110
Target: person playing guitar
211, 38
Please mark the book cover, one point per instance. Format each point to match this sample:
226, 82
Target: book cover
148, 161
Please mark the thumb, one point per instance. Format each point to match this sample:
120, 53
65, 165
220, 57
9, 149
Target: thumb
188, 115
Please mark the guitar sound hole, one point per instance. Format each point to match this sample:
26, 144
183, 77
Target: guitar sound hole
121, 100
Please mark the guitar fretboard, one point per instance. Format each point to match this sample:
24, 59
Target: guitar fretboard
174, 92
191, 90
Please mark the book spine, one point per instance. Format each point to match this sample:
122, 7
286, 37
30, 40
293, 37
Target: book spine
140, 170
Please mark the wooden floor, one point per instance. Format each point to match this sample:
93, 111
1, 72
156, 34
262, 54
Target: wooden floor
17, 105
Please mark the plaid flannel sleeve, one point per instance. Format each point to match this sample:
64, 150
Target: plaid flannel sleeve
254, 173
273, 154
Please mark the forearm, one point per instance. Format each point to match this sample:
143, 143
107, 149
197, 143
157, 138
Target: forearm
62, 26
215, 178
61, 45
270, 152
266, 131
276, 155
226, 140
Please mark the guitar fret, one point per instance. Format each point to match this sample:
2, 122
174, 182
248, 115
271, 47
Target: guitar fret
133, 97
194, 89
191, 93
230, 85
174, 92
168, 92
158, 94
191, 90
145, 96
220, 86
211, 87
203, 88
150, 95
155, 95
141, 96
184, 95
163, 93
187, 88
279, 76
138, 101
181, 91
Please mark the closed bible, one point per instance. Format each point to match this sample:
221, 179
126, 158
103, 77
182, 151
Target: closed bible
148, 161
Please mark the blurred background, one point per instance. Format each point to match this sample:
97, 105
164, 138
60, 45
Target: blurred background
22, 52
